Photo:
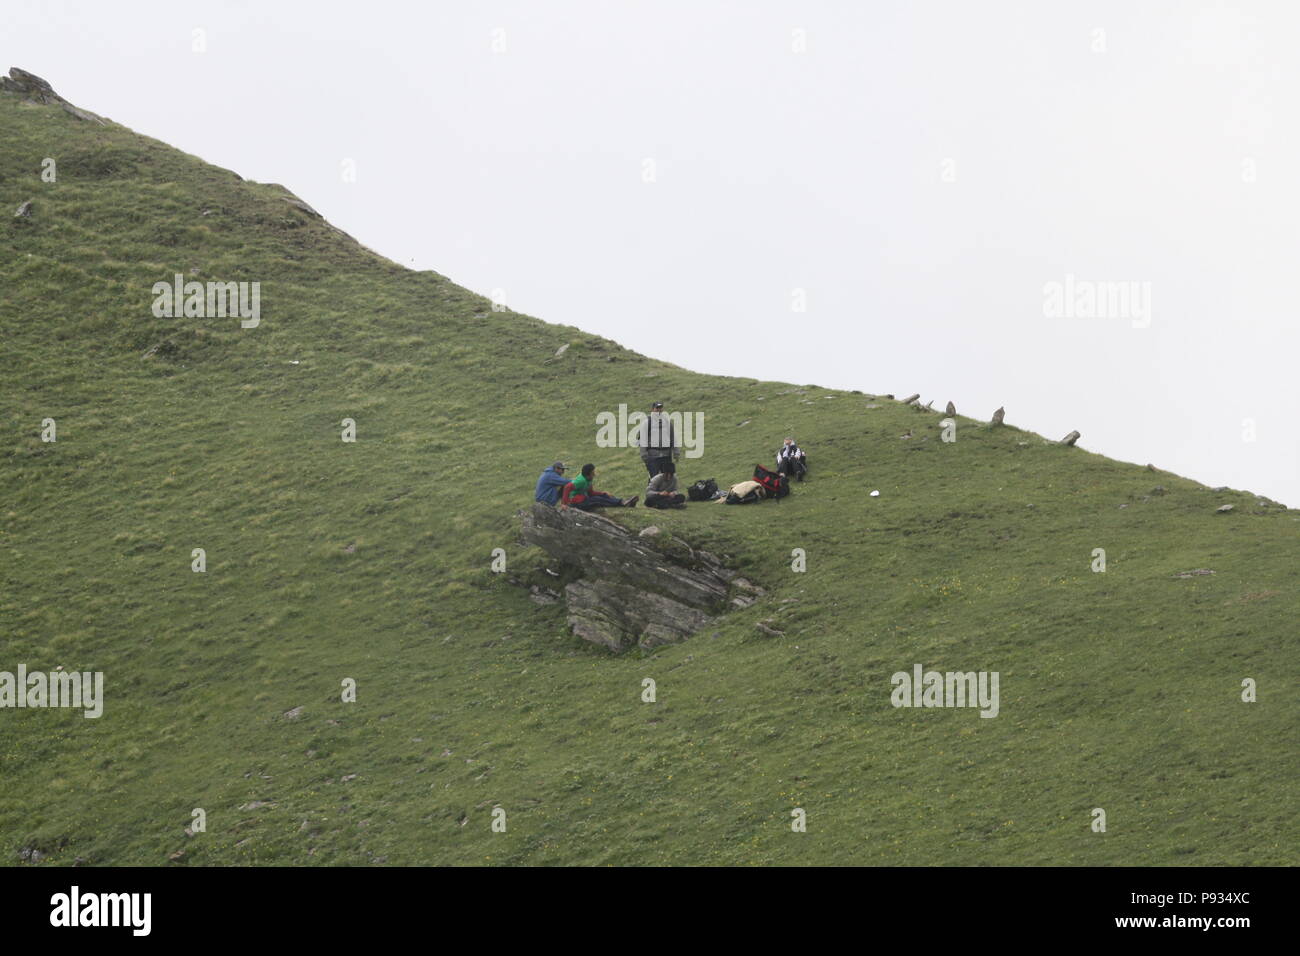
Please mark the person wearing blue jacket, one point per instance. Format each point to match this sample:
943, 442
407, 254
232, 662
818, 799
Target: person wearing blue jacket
550, 484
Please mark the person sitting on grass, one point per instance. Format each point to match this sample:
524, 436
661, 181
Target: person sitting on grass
581, 493
550, 484
660, 492
792, 460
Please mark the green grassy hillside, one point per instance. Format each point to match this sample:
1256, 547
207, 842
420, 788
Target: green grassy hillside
371, 560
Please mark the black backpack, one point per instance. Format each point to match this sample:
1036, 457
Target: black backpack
702, 490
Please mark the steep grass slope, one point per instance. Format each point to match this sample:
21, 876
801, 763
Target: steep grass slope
371, 560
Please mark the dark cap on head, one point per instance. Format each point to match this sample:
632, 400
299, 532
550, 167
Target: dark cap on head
657, 405
558, 466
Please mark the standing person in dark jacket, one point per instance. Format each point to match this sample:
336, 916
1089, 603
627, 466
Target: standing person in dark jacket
658, 441
550, 484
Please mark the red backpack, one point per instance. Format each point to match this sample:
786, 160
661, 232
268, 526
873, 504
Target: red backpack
775, 484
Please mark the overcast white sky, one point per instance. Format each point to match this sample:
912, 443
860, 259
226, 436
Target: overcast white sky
919, 170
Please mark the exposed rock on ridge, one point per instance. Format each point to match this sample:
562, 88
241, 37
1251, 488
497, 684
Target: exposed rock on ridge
646, 590
37, 91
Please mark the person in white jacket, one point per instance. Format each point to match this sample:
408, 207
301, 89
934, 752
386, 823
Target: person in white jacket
791, 460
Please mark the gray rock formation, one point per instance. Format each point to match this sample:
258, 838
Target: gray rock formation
541, 595
36, 91
911, 398
951, 409
299, 204
24, 211
634, 589
999, 415
1070, 439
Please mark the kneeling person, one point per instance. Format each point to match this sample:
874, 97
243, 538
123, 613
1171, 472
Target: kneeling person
660, 492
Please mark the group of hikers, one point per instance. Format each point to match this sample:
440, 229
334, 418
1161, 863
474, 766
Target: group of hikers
660, 452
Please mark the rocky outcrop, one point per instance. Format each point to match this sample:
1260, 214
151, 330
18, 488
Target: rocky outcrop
38, 92
29, 86
632, 589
